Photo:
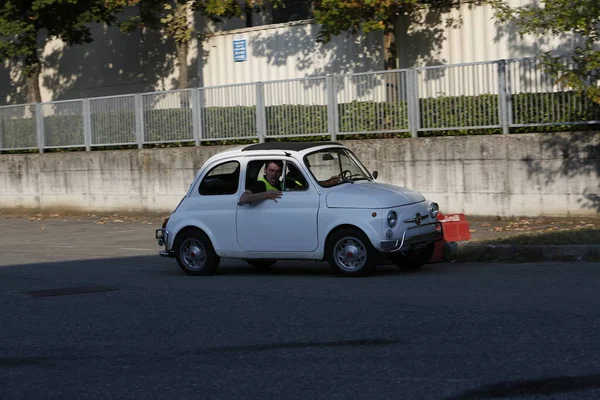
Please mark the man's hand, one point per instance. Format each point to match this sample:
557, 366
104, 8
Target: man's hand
272, 195
331, 181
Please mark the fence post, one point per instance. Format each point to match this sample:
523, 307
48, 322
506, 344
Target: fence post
139, 121
261, 113
503, 97
87, 125
39, 126
412, 95
1, 131
197, 115
332, 112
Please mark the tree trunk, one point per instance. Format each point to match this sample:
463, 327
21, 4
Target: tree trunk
248, 13
392, 82
31, 70
182, 55
389, 51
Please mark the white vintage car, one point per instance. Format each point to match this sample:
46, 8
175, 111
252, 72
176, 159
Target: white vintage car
350, 221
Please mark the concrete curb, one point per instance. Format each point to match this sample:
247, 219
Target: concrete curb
469, 252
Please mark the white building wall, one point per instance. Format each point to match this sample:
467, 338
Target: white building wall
469, 33
288, 51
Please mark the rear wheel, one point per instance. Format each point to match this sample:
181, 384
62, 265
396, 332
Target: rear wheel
350, 253
413, 259
195, 254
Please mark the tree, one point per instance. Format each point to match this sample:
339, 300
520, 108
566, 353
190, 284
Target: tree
580, 18
337, 16
26, 26
172, 17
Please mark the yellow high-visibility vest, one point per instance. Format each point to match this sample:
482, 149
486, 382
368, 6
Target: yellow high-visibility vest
267, 184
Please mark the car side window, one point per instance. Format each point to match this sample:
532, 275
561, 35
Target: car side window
294, 179
254, 170
222, 179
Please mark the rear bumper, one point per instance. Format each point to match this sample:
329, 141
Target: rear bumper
415, 241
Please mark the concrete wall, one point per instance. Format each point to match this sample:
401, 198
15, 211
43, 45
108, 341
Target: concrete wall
528, 174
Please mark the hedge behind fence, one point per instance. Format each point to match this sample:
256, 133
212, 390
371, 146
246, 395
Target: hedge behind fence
230, 123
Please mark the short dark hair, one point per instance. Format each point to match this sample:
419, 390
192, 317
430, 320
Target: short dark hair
279, 163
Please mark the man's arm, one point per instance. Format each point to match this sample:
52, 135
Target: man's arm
256, 193
249, 197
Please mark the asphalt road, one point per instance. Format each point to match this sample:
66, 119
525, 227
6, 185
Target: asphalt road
451, 331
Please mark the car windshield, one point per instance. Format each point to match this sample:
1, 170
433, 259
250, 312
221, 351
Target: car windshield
327, 163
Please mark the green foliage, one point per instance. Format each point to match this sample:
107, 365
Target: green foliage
368, 116
337, 16
292, 120
170, 124
580, 18
228, 122
22, 23
458, 111
17, 133
113, 127
171, 15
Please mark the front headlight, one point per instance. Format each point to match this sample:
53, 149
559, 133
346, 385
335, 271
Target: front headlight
392, 218
434, 210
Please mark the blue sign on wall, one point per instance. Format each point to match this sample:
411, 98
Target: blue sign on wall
239, 50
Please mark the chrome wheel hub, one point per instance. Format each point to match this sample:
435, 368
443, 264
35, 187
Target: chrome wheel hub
350, 254
193, 254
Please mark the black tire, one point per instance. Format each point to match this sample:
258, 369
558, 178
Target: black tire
353, 241
262, 265
195, 253
413, 259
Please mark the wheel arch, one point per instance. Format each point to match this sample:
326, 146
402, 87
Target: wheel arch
190, 228
366, 230
338, 228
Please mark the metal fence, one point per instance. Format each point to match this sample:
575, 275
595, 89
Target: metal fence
489, 97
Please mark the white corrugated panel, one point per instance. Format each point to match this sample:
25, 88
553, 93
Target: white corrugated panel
470, 33
288, 51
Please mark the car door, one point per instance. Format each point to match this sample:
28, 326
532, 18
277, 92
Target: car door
288, 225
212, 202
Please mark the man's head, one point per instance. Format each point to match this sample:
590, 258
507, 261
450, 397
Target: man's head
273, 170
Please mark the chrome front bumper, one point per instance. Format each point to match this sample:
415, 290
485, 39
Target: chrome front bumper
162, 235
390, 246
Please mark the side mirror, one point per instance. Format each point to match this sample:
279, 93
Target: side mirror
375, 174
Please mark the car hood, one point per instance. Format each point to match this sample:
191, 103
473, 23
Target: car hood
366, 194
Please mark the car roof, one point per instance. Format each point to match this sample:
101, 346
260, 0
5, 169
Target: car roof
263, 149
288, 146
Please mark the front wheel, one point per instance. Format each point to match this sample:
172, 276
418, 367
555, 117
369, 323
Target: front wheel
195, 254
413, 259
350, 253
